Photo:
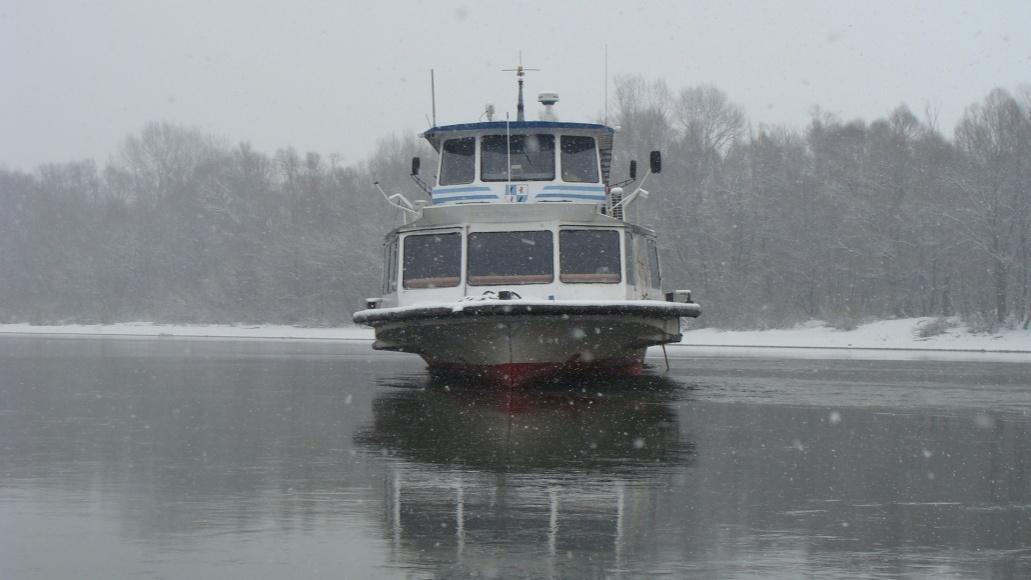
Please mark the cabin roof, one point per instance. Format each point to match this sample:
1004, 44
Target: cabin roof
437, 134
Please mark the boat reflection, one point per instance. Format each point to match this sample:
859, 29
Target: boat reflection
617, 426
524, 482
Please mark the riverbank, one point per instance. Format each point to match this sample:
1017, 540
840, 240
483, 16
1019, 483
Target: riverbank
901, 334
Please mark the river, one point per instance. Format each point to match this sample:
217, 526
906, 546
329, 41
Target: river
177, 458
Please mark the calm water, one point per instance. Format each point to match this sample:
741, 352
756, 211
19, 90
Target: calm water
218, 459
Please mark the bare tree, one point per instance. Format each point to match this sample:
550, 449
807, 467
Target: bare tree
994, 138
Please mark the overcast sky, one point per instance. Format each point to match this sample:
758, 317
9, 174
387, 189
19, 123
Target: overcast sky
335, 76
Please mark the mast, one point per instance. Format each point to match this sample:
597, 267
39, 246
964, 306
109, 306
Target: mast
520, 72
520, 114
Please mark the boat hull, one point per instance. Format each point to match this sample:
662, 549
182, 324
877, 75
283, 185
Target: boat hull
510, 374
518, 342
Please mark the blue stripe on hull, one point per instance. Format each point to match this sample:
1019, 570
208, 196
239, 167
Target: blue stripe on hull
465, 198
574, 188
442, 191
597, 197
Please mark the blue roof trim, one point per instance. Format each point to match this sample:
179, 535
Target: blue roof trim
516, 126
599, 197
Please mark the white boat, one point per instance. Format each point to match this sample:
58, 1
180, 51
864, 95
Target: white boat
522, 265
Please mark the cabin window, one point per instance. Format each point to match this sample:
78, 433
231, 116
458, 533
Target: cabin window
589, 256
532, 158
630, 259
390, 266
432, 260
384, 287
501, 258
653, 265
458, 161
579, 159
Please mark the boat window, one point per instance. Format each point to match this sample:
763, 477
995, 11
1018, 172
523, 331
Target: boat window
589, 256
630, 258
384, 287
533, 158
390, 266
497, 258
653, 264
432, 260
579, 159
458, 161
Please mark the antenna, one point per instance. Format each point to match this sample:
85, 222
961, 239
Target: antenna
520, 72
606, 92
433, 97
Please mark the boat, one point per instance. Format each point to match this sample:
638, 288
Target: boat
522, 264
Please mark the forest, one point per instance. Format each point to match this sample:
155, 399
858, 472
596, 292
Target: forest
841, 220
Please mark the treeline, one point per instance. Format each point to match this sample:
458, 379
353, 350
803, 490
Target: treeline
841, 221
768, 226
182, 227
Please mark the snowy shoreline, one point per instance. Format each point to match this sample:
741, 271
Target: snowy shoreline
899, 334
149, 329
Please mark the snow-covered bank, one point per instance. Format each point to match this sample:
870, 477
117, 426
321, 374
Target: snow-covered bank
193, 331
887, 334
903, 334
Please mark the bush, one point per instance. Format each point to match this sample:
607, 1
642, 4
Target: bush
934, 327
979, 323
843, 321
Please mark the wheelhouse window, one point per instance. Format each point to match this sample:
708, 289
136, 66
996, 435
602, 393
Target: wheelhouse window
579, 159
432, 260
532, 158
653, 264
390, 267
510, 258
589, 256
458, 161
630, 259
385, 285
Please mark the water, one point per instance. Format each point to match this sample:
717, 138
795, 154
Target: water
169, 458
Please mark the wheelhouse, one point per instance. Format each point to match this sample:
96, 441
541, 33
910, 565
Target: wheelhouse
521, 162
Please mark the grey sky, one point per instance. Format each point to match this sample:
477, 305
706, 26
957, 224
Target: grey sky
333, 77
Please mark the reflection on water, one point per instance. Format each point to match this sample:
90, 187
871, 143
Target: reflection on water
523, 482
218, 459
614, 426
